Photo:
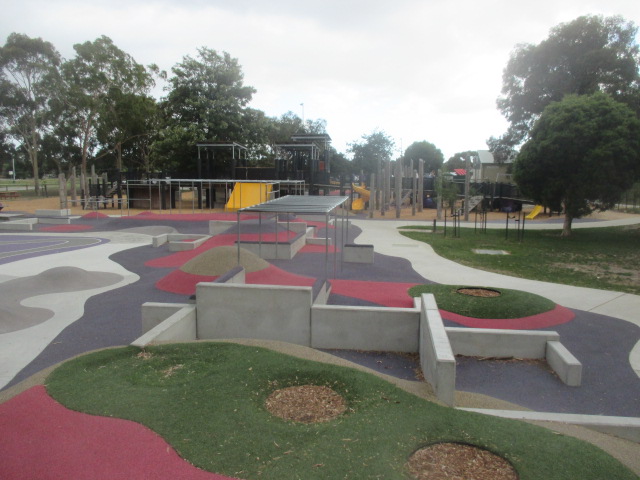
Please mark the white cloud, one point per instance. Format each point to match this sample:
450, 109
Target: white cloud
419, 70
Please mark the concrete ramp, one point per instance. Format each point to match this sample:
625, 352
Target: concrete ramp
247, 195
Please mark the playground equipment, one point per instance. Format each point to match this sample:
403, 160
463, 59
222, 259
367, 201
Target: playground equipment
534, 213
359, 203
248, 194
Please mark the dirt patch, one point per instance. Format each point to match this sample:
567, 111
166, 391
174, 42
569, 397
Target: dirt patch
612, 273
306, 404
449, 461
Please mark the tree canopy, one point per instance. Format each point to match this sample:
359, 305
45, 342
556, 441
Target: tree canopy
373, 149
28, 78
588, 55
432, 156
94, 80
582, 154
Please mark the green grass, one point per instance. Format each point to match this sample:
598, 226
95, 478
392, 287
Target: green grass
211, 411
510, 303
603, 258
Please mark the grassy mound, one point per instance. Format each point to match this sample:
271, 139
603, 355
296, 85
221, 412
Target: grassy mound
208, 401
219, 260
510, 303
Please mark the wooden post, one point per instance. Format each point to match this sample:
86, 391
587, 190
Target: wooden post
62, 191
398, 193
74, 193
372, 195
420, 184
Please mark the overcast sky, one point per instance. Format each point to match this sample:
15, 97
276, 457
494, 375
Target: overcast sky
415, 69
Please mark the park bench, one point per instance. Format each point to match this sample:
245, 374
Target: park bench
9, 195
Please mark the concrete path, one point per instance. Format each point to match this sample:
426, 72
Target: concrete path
18, 348
388, 240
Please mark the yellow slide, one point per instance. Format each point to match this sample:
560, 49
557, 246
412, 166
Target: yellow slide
534, 213
358, 203
247, 195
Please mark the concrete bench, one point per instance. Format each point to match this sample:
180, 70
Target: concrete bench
283, 250
358, 253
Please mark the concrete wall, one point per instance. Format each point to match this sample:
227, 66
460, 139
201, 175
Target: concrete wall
24, 224
568, 368
358, 253
483, 342
178, 326
267, 312
154, 313
365, 328
273, 250
436, 356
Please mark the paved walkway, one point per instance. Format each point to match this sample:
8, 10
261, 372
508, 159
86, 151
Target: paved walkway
16, 347
388, 240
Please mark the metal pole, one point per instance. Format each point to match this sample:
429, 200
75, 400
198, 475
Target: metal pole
326, 246
260, 234
238, 228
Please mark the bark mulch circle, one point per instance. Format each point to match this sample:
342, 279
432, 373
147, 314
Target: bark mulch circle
306, 404
456, 461
479, 292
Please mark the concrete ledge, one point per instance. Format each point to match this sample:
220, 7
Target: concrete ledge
319, 241
182, 242
179, 242
54, 220
236, 275
568, 367
484, 342
154, 313
159, 240
436, 356
298, 227
54, 213
623, 427
24, 224
358, 253
178, 327
266, 312
10, 216
272, 250
321, 290
365, 328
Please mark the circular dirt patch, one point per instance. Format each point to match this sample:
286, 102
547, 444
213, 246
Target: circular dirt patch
306, 404
479, 292
458, 461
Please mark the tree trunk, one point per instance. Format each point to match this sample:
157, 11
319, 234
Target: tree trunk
566, 228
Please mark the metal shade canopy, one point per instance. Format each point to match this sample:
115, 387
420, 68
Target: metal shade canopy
300, 204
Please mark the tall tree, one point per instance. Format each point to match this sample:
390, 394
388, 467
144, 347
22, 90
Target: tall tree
459, 160
583, 153
126, 124
207, 99
98, 70
590, 54
28, 78
432, 156
371, 151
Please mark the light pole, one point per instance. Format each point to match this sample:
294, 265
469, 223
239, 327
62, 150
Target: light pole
302, 105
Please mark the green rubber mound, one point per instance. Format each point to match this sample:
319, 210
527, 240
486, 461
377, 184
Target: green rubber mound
508, 304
